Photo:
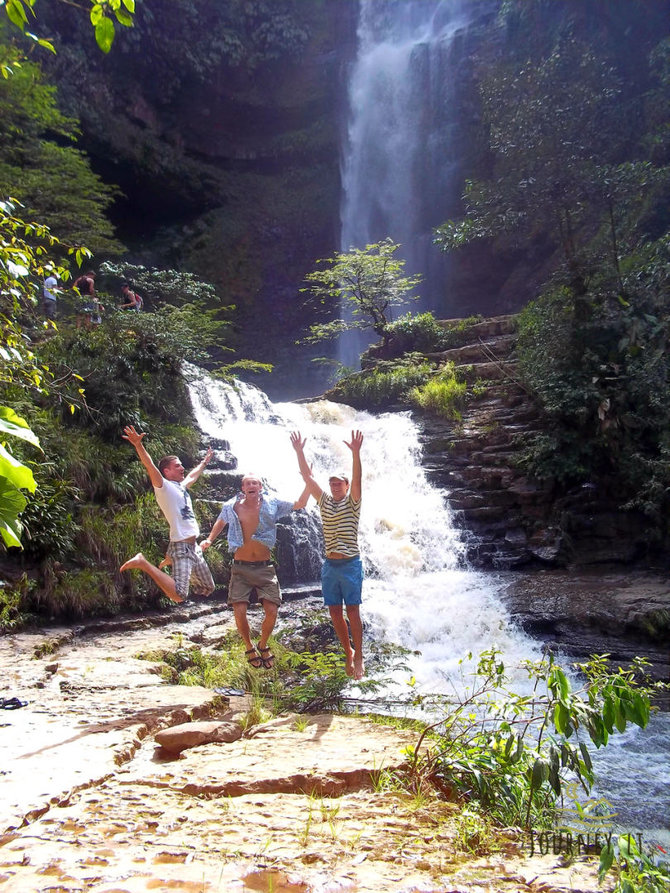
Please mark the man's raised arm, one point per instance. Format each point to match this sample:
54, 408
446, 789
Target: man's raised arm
131, 435
302, 500
311, 486
195, 473
355, 447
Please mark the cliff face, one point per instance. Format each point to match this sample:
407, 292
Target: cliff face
221, 124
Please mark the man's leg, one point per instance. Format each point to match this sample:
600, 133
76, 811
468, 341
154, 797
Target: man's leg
342, 630
270, 618
164, 581
239, 591
356, 624
242, 624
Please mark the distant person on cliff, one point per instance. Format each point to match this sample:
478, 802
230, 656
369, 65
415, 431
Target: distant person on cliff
171, 483
251, 518
49, 297
131, 300
89, 313
342, 570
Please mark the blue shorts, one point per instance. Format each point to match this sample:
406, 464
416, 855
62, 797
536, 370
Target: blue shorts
342, 581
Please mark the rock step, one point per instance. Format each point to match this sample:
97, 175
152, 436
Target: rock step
482, 351
486, 328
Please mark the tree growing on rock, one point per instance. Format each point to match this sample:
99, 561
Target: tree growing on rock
363, 285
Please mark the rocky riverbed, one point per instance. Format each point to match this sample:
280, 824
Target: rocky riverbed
90, 802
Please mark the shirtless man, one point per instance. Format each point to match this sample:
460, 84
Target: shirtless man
251, 519
342, 571
171, 484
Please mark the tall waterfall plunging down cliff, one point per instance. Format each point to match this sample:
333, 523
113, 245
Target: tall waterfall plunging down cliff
398, 163
416, 593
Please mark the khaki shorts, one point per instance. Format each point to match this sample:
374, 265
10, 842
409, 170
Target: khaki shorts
258, 575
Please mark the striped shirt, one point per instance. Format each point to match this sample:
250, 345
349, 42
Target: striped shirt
340, 523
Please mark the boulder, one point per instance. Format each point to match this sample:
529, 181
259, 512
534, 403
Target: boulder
191, 734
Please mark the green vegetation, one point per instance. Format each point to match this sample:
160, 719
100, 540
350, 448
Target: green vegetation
442, 395
311, 679
103, 14
579, 175
513, 753
360, 285
41, 168
421, 332
634, 871
384, 384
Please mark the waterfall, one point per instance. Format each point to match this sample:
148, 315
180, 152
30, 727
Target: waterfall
416, 592
400, 165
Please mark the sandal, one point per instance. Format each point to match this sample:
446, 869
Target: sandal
267, 659
256, 662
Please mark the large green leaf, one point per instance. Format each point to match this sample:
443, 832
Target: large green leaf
12, 503
104, 34
11, 423
16, 472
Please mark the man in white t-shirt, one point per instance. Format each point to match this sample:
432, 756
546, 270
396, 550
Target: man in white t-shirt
49, 297
171, 483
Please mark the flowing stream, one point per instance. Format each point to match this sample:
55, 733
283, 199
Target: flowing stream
417, 592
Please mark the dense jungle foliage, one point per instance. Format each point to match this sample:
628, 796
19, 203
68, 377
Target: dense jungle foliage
570, 180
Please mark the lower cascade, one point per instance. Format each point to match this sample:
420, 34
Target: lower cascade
417, 592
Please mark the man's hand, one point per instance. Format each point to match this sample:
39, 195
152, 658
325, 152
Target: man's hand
130, 434
208, 455
356, 441
205, 544
298, 442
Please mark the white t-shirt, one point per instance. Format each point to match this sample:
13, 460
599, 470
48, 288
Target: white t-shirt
49, 283
175, 503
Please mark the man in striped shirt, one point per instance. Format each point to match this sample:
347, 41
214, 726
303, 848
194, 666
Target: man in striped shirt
342, 570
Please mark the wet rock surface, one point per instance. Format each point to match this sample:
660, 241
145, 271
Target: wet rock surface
509, 519
598, 611
91, 802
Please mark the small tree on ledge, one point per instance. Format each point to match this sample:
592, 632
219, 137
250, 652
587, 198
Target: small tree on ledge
361, 285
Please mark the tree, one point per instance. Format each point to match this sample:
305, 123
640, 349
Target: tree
53, 181
364, 284
556, 132
103, 15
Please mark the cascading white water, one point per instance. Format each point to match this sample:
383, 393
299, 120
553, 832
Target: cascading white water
415, 592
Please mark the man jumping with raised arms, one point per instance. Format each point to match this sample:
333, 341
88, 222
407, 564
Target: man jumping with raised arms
342, 571
251, 518
171, 483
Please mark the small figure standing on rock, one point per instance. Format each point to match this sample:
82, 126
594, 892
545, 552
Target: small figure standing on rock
171, 483
251, 518
342, 570
131, 300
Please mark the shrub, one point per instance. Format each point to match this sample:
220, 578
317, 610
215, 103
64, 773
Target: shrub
514, 753
387, 383
422, 333
442, 395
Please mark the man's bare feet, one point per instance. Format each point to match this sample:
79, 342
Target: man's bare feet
359, 666
137, 561
350, 663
